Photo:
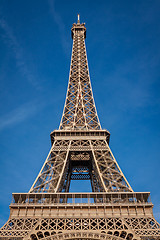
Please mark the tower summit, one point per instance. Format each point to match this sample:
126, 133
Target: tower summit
80, 151
78, 18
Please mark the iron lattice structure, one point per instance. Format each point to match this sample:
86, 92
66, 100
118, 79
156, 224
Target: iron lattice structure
80, 151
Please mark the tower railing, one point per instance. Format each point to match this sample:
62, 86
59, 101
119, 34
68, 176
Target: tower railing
81, 198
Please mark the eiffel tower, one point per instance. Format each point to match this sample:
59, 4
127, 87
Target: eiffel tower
80, 151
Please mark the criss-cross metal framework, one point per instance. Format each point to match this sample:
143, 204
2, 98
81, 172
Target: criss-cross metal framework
75, 150
79, 110
80, 151
76, 158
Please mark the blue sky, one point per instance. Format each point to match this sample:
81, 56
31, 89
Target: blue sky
124, 56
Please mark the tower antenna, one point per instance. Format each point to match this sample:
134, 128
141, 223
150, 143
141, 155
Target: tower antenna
78, 18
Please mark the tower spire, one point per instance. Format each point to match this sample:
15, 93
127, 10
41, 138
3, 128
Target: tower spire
78, 21
79, 110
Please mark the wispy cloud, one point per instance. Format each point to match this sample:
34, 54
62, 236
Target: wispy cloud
58, 19
19, 114
12, 42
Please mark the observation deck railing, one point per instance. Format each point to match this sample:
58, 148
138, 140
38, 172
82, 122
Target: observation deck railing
94, 198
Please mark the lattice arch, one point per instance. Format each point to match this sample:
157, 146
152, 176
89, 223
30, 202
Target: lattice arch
78, 235
95, 155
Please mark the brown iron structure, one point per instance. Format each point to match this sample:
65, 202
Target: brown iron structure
80, 151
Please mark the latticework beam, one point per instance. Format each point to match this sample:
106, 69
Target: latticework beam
79, 110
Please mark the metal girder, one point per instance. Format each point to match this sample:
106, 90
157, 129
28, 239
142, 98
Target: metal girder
116, 228
104, 172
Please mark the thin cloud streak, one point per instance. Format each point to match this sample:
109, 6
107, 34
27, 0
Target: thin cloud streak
11, 41
57, 18
18, 115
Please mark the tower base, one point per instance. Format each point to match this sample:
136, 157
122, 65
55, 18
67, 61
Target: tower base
52, 216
